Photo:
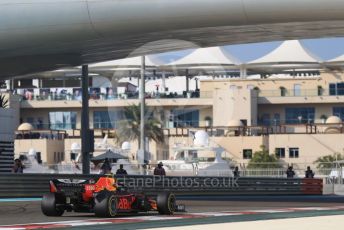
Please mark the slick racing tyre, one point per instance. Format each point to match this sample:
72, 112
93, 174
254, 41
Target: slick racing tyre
166, 203
52, 204
105, 204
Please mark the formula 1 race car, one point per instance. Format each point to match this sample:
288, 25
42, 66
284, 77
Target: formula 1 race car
102, 196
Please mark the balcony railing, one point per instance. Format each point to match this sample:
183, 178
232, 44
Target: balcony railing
300, 93
66, 95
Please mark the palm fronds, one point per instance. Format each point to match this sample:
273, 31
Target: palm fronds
129, 129
3, 101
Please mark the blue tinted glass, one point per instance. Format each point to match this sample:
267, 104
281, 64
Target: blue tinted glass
340, 89
333, 89
62, 120
339, 112
106, 119
185, 118
299, 115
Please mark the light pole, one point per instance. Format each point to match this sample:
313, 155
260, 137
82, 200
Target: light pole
142, 111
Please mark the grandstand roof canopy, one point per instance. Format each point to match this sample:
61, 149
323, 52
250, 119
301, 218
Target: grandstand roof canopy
289, 52
212, 56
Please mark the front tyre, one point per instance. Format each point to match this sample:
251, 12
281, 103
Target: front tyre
105, 204
52, 203
166, 203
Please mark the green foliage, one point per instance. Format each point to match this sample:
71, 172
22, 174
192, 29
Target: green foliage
3, 101
129, 129
262, 160
328, 161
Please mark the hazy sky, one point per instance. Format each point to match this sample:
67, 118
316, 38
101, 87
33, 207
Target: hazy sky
325, 49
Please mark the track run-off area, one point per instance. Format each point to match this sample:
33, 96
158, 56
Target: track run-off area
26, 213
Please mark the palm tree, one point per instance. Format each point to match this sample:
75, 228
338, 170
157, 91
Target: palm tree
129, 129
262, 159
3, 101
328, 161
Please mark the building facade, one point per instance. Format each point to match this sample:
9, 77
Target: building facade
288, 115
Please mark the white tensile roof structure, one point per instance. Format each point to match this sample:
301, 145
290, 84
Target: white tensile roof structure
151, 61
335, 63
336, 60
289, 52
207, 57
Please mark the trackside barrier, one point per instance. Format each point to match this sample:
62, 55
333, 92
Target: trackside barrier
34, 185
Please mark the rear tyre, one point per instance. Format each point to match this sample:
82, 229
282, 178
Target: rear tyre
166, 203
52, 203
105, 204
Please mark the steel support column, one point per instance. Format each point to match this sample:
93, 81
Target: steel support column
85, 130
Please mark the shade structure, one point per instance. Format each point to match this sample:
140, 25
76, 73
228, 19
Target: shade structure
289, 55
109, 154
289, 52
339, 59
133, 63
335, 63
207, 57
63, 72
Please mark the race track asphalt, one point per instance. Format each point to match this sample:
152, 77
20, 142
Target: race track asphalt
24, 212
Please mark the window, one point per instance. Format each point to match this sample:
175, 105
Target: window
247, 154
333, 89
250, 87
339, 112
283, 91
293, 152
265, 120
300, 115
30, 120
280, 152
73, 156
39, 124
39, 157
336, 88
62, 120
106, 119
185, 118
297, 90
340, 88
277, 119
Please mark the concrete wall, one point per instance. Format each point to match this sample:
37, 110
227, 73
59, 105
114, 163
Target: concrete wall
273, 84
234, 104
47, 147
235, 145
311, 146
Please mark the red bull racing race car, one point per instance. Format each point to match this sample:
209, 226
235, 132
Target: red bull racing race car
104, 197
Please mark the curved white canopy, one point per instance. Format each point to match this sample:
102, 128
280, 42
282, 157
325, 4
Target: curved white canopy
71, 33
289, 52
337, 59
132, 62
212, 56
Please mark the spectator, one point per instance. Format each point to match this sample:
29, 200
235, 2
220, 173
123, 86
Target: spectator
236, 172
106, 167
18, 166
159, 171
121, 171
290, 172
309, 173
